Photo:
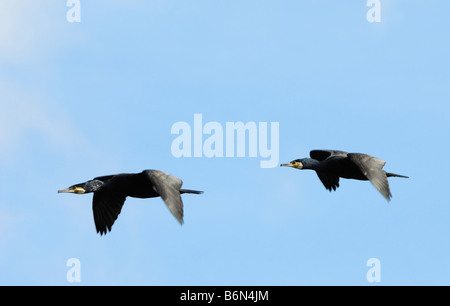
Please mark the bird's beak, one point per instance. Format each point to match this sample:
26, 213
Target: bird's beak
297, 165
67, 190
72, 190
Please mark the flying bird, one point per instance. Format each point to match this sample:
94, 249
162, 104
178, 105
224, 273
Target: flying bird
111, 191
330, 165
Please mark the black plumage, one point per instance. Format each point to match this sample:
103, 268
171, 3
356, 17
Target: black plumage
110, 193
331, 165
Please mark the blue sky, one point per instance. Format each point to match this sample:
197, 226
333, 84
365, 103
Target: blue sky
80, 100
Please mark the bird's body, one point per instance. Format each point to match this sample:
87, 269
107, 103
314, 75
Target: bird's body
111, 191
330, 165
342, 167
134, 185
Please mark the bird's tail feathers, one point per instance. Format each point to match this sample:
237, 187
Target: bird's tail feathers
190, 191
395, 175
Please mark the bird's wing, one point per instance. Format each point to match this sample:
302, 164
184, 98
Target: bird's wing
330, 181
324, 154
106, 206
104, 178
168, 187
372, 168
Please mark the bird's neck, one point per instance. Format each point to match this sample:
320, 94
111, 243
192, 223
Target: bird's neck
93, 186
309, 163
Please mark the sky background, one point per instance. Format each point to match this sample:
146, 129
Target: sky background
99, 97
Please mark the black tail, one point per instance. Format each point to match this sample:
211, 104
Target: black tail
395, 175
190, 191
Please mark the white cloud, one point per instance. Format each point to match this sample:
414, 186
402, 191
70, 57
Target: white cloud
22, 111
28, 28
31, 32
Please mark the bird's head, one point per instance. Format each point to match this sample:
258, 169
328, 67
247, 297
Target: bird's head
298, 164
303, 163
87, 187
78, 189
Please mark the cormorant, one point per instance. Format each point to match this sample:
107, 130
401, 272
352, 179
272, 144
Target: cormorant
111, 191
330, 165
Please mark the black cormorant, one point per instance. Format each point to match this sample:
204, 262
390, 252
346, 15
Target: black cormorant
111, 191
330, 165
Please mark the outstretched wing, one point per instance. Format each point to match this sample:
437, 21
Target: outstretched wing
106, 206
105, 178
168, 187
324, 154
330, 181
372, 168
